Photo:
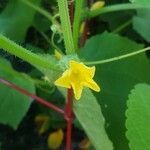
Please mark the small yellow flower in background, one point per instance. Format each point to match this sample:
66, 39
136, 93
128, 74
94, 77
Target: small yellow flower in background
97, 5
55, 139
76, 77
42, 122
85, 144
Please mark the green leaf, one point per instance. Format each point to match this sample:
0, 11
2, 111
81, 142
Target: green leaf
138, 114
116, 79
47, 64
115, 20
16, 19
141, 22
142, 2
89, 115
88, 112
13, 105
41, 23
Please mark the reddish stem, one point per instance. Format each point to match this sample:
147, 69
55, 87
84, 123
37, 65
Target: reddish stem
68, 109
36, 98
86, 31
85, 34
69, 118
71, 11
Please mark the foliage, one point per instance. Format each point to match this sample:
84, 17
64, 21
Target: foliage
137, 114
116, 79
105, 37
10, 24
13, 105
92, 121
142, 20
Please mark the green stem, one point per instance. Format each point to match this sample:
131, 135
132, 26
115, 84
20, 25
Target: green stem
26, 55
116, 58
123, 26
66, 26
77, 21
112, 8
47, 39
53, 43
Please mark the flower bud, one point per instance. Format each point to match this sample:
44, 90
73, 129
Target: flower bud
55, 139
97, 5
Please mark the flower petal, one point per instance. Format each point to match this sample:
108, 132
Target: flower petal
64, 80
92, 71
77, 76
77, 88
74, 64
92, 85
84, 70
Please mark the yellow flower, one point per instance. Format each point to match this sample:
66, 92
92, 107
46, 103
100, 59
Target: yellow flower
76, 77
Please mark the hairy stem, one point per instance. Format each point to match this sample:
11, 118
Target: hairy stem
66, 26
26, 55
